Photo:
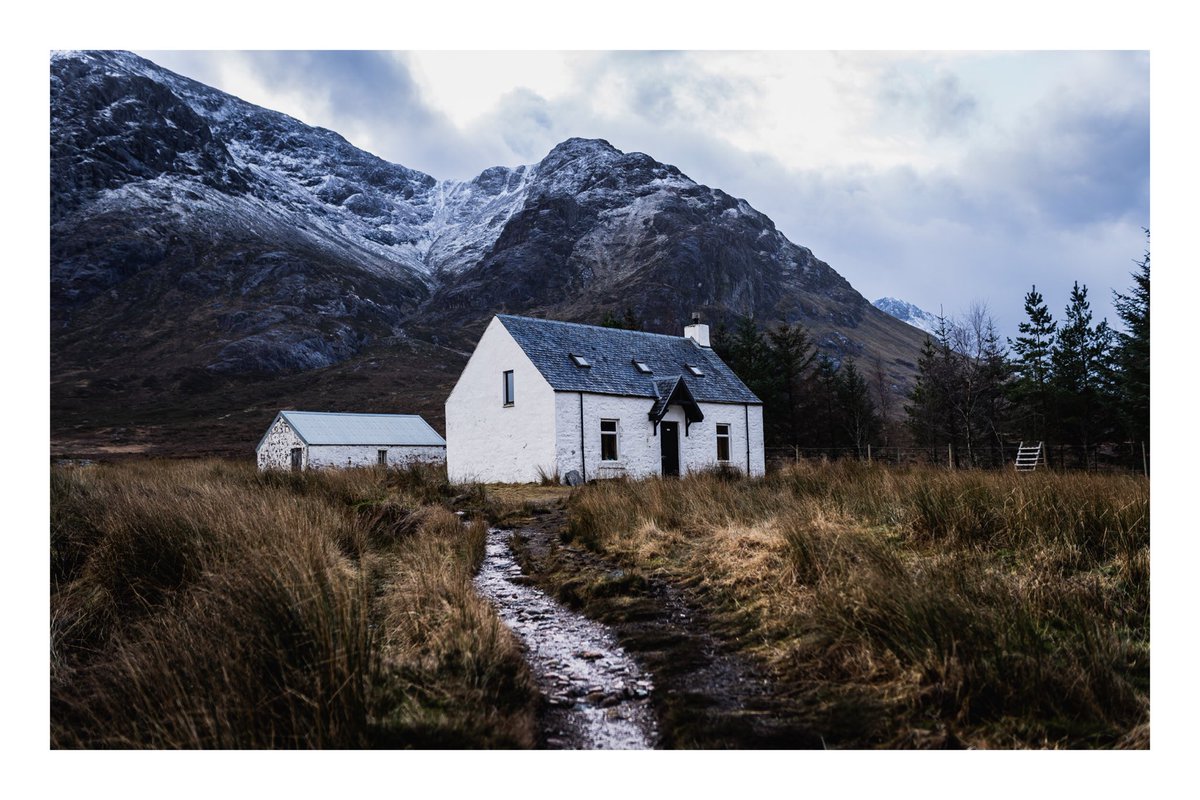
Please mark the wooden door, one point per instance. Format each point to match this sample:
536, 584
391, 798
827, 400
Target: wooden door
668, 432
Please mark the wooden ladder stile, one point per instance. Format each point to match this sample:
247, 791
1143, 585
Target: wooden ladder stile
1028, 457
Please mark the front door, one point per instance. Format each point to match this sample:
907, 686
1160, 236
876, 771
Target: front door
297, 459
668, 432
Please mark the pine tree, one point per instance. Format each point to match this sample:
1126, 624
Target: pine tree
1132, 351
747, 353
791, 354
1078, 379
1032, 365
857, 415
926, 410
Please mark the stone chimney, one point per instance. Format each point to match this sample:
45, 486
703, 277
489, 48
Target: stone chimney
697, 331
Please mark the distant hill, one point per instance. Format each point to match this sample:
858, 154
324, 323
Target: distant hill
213, 261
907, 312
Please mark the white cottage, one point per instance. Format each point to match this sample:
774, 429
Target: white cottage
299, 440
540, 397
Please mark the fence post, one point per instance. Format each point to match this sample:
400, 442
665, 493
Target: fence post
868, 454
1145, 465
950, 454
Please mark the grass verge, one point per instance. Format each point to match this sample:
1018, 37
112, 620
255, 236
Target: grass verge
203, 604
911, 608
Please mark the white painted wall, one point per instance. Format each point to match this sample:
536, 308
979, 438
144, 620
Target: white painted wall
639, 449
275, 450
744, 422
491, 443
332, 456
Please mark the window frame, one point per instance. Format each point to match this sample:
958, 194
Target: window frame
725, 438
508, 390
381, 457
615, 435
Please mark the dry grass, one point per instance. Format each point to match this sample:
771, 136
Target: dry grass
202, 604
917, 607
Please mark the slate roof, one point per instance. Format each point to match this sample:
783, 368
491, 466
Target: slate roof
611, 351
320, 427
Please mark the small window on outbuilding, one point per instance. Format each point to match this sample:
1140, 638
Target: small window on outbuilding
608, 440
722, 441
641, 367
509, 388
580, 361
383, 458
692, 368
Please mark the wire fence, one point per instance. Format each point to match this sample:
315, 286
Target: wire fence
1106, 457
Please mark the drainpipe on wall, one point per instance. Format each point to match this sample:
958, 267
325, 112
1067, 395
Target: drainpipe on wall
582, 455
746, 408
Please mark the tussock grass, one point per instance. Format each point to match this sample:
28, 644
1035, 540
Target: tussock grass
914, 607
203, 604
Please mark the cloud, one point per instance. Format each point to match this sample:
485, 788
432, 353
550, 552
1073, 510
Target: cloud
938, 178
937, 105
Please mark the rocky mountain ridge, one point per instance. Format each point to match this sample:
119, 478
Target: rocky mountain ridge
202, 246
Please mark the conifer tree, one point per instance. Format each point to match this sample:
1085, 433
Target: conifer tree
1032, 365
1078, 381
926, 409
1132, 351
747, 353
791, 355
857, 415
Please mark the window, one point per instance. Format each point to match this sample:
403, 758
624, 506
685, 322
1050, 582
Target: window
509, 389
608, 440
580, 361
641, 367
692, 368
383, 458
722, 441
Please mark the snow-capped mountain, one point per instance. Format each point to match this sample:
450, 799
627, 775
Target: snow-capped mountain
198, 239
907, 312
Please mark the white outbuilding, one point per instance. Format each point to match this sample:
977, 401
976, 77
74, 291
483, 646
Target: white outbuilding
300, 440
541, 398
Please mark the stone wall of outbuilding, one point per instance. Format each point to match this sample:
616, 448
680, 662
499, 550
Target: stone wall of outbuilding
275, 451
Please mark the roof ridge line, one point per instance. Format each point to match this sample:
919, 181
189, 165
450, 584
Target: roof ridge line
588, 325
349, 413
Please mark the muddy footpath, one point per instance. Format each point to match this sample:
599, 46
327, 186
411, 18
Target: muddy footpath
623, 661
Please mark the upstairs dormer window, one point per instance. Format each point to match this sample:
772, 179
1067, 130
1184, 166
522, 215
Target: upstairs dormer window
641, 367
580, 361
692, 368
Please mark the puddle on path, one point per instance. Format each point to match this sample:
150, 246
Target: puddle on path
598, 696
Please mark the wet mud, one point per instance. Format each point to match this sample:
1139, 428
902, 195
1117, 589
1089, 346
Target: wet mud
597, 696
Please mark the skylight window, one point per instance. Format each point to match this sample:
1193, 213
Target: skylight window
580, 361
692, 368
641, 367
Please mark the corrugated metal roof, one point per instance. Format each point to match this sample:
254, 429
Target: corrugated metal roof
611, 351
321, 427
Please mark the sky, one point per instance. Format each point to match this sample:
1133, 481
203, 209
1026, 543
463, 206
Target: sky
945, 179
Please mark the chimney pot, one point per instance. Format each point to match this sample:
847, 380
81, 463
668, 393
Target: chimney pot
697, 331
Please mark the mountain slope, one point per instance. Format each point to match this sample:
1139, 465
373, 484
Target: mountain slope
212, 261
